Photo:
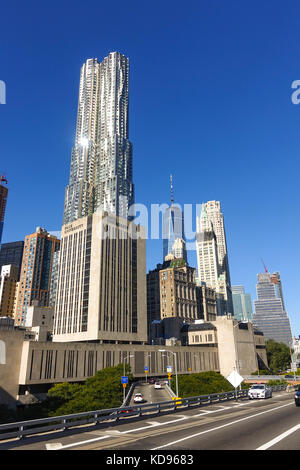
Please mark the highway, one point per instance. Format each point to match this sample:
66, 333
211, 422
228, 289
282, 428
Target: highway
270, 424
150, 394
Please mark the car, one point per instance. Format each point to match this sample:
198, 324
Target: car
297, 397
157, 385
138, 398
259, 391
151, 381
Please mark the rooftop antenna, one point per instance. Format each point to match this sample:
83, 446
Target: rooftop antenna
172, 196
266, 270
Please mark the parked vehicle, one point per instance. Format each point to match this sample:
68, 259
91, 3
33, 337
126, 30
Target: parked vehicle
259, 391
138, 398
157, 385
151, 381
297, 397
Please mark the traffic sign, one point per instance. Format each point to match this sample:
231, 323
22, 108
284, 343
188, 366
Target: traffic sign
146, 369
169, 369
235, 379
124, 379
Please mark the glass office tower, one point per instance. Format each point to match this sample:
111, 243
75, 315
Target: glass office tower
270, 316
242, 304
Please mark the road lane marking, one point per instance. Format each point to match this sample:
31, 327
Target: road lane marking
54, 446
77, 443
155, 424
278, 438
220, 427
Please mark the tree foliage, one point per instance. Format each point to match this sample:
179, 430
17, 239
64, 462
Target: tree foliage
201, 384
103, 390
279, 356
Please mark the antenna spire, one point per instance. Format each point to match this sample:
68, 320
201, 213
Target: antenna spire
172, 195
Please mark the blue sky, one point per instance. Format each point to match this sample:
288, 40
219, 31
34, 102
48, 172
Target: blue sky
210, 102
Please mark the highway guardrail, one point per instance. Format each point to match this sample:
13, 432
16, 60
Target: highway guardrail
62, 423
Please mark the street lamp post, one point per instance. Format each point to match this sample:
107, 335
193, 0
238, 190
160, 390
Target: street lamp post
175, 355
148, 355
124, 359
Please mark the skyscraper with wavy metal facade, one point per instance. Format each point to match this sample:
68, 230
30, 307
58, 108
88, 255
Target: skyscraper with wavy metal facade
101, 162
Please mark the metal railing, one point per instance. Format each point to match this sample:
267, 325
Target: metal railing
272, 377
61, 423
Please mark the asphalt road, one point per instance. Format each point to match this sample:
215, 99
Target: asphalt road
151, 395
271, 424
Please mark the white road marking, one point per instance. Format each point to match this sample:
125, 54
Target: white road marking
278, 438
220, 427
155, 424
78, 443
54, 446
158, 424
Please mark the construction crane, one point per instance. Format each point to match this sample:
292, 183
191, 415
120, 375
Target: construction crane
266, 270
3, 178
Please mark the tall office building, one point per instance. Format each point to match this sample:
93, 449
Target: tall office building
54, 278
172, 225
101, 162
242, 304
8, 284
12, 253
270, 316
3, 198
179, 249
210, 270
35, 277
101, 283
101, 290
178, 297
213, 209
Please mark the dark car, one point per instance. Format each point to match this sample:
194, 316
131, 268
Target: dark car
297, 397
151, 381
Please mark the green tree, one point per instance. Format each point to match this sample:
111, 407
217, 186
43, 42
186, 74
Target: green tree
103, 390
279, 356
201, 384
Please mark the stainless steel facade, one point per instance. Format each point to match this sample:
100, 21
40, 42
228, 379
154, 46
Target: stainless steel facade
101, 162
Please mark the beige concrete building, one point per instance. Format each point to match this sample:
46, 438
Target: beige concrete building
40, 321
11, 350
101, 292
8, 286
240, 346
33, 366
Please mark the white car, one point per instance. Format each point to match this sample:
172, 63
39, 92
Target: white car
157, 385
259, 391
138, 398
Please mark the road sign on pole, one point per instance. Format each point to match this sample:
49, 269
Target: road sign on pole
235, 379
124, 380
